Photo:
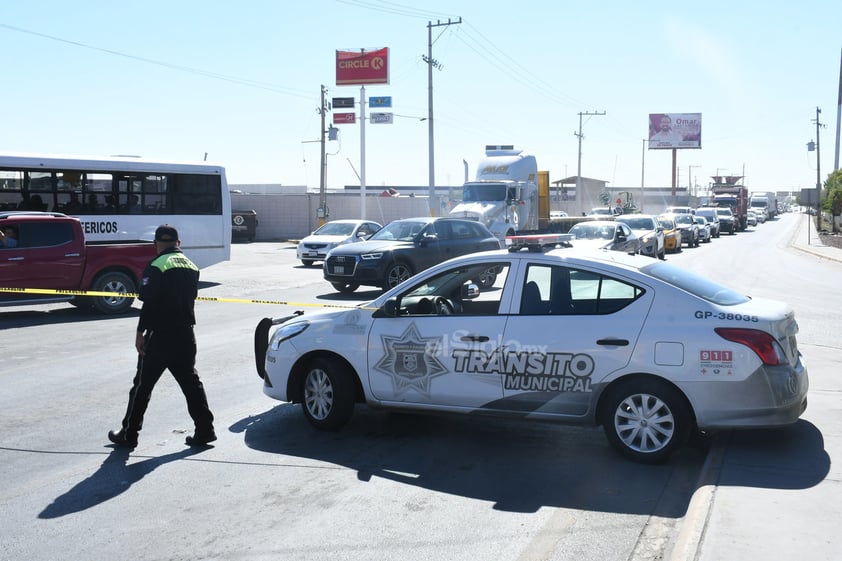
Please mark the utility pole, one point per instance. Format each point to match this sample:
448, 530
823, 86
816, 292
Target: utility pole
431, 62
579, 166
321, 213
818, 173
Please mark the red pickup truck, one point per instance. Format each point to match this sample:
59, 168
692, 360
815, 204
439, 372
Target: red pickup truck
50, 254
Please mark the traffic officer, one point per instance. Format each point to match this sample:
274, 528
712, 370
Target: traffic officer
165, 340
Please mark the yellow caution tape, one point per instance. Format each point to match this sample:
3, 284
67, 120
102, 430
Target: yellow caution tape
55, 292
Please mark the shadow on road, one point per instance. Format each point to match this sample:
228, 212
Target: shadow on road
517, 466
114, 476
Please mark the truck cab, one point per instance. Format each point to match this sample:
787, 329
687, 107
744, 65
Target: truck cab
504, 194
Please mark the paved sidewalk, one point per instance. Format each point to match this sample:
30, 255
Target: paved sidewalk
774, 495
807, 239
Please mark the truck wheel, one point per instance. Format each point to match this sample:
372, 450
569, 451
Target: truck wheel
119, 283
327, 394
646, 420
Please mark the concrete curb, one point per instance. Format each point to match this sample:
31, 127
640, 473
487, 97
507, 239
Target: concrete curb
692, 531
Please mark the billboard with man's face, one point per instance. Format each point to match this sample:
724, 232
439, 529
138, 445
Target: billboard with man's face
675, 130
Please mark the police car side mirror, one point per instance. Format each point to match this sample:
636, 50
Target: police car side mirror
390, 308
469, 291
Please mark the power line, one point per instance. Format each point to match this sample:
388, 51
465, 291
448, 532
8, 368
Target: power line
215, 75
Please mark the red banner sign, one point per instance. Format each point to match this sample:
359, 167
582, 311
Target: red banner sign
362, 67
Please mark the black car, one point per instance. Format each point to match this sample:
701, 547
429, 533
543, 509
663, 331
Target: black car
403, 248
727, 220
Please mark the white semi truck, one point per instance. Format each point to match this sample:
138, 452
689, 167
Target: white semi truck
766, 202
504, 195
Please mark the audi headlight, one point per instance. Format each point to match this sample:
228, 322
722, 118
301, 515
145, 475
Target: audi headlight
372, 256
287, 332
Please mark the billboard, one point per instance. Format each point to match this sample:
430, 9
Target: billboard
359, 68
675, 130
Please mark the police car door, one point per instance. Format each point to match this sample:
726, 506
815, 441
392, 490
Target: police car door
426, 356
571, 329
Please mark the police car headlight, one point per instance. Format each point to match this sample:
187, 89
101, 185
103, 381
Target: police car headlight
287, 332
372, 256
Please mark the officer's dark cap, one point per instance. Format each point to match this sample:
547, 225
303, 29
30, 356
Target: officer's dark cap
166, 233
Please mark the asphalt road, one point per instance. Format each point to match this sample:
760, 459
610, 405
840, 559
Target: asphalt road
388, 486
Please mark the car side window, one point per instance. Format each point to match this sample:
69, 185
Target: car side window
593, 293
45, 234
546, 291
467, 290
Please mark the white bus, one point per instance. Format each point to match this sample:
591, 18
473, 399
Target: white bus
124, 198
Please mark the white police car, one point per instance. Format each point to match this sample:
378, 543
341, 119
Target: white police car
648, 350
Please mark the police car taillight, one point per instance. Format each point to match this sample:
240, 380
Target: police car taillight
764, 345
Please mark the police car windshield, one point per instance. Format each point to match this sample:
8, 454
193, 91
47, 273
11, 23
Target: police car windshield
695, 284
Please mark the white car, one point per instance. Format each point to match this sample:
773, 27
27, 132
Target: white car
650, 232
647, 349
317, 245
751, 218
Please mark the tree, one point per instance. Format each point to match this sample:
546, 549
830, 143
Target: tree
833, 202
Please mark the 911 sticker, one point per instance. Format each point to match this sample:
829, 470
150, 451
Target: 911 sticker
716, 363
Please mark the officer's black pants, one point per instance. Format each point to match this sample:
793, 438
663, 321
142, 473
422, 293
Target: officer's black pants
176, 351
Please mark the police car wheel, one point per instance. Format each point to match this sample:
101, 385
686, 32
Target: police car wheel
327, 394
119, 283
646, 420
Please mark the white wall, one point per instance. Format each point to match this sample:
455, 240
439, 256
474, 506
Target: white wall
293, 216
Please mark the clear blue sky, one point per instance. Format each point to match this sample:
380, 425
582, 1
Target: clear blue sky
240, 81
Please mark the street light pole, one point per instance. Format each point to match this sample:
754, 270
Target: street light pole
690, 179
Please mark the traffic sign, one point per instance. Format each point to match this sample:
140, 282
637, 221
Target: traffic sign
381, 101
381, 118
343, 102
344, 118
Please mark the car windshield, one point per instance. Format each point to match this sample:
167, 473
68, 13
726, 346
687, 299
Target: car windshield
592, 232
695, 284
684, 219
667, 223
723, 212
402, 230
639, 223
336, 229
